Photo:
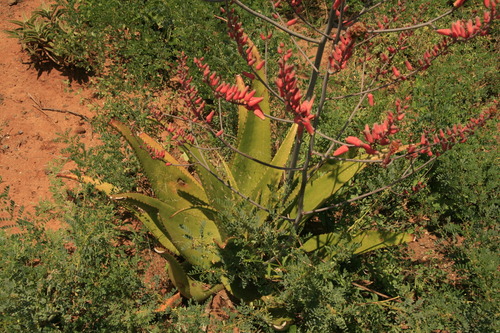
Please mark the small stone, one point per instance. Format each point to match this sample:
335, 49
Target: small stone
80, 130
5, 147
20, 132
12, 2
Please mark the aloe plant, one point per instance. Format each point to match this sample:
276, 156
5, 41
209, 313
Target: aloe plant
184, 214
285, 188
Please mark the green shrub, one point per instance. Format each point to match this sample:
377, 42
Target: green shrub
81, 277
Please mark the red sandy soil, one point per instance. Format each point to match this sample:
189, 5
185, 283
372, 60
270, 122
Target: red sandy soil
28, 134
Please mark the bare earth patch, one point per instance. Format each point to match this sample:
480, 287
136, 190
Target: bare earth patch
28, 134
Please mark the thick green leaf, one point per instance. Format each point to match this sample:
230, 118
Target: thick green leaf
269, 182
165, 180
326, 181
101, 186
153, 224
235, 288
187, 286
376, 239
365, 241
220, 194
190, 230
254, 137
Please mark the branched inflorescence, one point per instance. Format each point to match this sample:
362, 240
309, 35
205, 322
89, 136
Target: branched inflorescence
289, 91
343, 50
469, 29
245, 46
231, 92
378, 135
430, 144
444, 140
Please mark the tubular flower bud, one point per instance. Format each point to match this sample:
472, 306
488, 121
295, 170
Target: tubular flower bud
341, 150
370, 99
260, 65
395, 71
208, 119
354, 141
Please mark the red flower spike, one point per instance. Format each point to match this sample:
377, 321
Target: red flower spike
219, 133
370, 150
368, 134
341, 150
308, 127
423, 140
291, 22
458, 3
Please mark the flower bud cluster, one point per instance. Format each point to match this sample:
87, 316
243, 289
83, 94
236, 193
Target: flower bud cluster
295, 4
231, 92
288, 90
189, 93
377, 135
446, 139
470, 29
385, 21
433, 53
245, 46
341, 52
179, 135
463, 29
386, 58
155, 153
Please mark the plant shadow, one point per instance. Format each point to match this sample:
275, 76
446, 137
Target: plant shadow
73, 73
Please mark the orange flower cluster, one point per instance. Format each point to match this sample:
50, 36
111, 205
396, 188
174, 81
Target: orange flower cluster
471, 28
287, 86
189, 93
378, 134
245, 47
296, 4
446, 139
463, 29
341, 52
231, 92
